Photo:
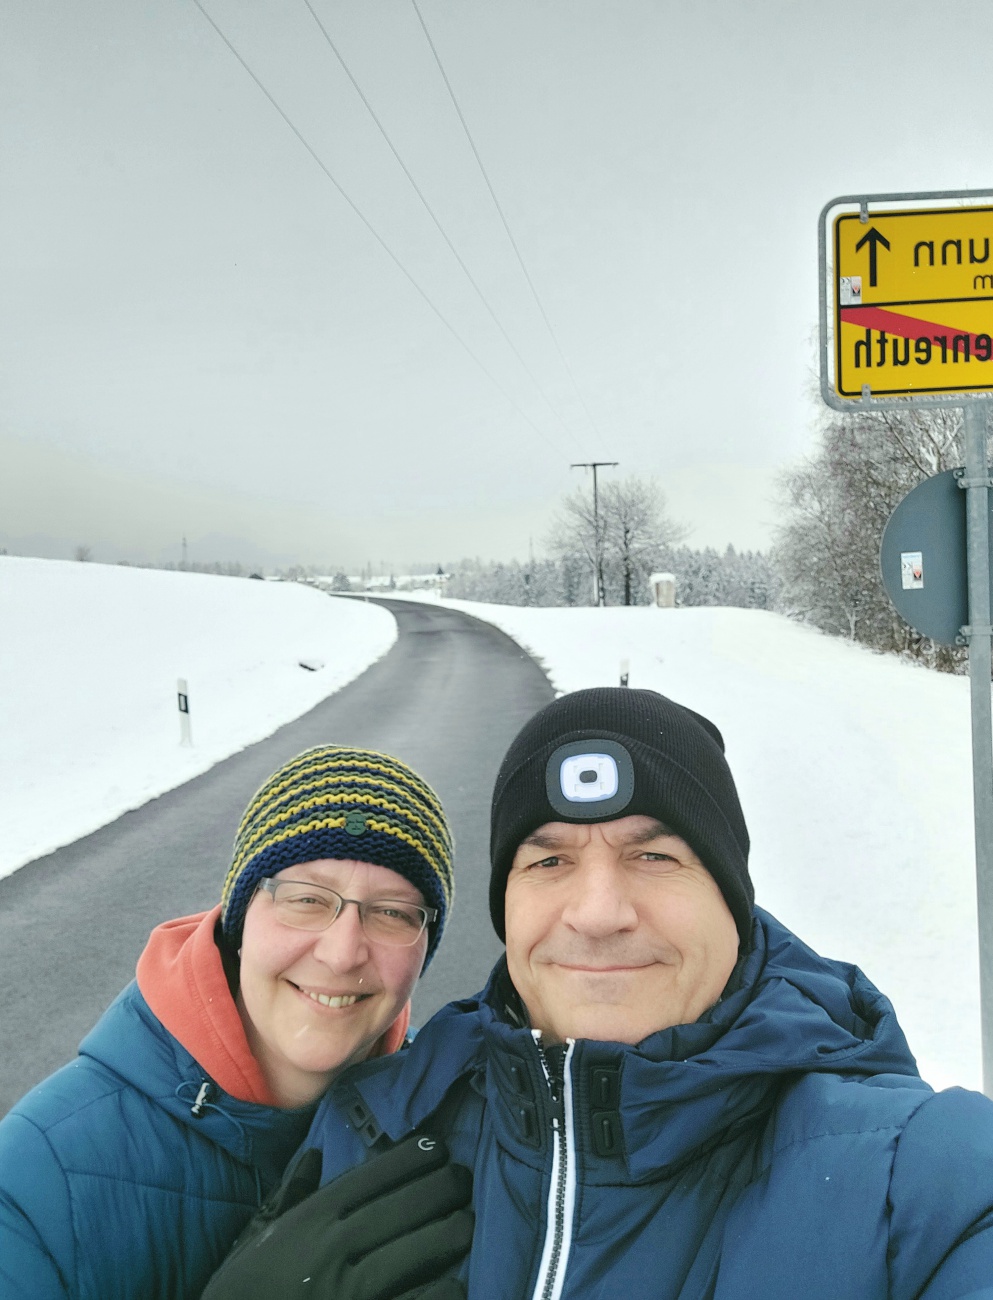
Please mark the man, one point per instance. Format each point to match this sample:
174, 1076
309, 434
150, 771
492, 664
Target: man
662, 1092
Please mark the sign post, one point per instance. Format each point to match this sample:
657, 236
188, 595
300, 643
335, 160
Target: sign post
906, 320
976, 483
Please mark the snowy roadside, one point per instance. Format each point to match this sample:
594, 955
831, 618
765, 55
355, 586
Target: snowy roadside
854, 772
89, 659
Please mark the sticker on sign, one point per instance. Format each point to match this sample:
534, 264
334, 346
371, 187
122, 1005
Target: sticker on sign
850, 290
911, 570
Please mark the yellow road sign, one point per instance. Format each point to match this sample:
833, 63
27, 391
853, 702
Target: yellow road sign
913, 292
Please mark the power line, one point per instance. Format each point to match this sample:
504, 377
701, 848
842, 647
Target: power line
429, 210
503, 218
371, 228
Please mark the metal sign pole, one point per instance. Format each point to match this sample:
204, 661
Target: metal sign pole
977, 482
874, 357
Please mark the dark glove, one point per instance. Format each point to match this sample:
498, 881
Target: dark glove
387, 1230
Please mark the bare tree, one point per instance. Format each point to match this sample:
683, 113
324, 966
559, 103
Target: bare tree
573, 537
635, 534
82, 553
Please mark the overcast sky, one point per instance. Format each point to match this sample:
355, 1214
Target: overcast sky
201, 336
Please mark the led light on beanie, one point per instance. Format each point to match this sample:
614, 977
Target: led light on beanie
592, 779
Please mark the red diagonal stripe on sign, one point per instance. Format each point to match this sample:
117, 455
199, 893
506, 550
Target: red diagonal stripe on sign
905, 327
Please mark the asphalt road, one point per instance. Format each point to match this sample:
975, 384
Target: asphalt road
448, 699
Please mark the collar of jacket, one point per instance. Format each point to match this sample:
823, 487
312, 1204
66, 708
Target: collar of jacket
642, 1111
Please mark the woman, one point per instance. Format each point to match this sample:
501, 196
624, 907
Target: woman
130, 1172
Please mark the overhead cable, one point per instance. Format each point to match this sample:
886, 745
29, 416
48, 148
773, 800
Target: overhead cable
430, 211
503, 218
371, 228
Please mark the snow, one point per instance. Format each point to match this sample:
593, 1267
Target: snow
854, 768
854, 771
90, 655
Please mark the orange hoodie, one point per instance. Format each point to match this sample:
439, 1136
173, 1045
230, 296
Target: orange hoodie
181, 977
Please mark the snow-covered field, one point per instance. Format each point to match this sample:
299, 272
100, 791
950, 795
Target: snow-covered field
854, 769
89, 659
854, 773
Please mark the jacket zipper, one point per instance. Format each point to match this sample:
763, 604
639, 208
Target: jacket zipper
562, 1188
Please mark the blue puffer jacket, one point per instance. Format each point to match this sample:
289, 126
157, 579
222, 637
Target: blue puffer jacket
113, 1188
783, 1147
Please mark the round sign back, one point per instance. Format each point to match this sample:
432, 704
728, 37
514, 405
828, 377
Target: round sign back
922, 558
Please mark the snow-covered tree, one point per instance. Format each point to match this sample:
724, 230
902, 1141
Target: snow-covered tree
836, 505
627, 538
745, 579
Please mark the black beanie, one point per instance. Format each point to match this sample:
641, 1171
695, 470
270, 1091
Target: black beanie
610, 752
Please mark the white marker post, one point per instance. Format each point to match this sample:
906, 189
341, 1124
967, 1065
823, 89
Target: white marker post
185, 735
625, 671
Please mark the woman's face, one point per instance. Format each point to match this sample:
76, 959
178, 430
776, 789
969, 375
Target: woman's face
299, 1041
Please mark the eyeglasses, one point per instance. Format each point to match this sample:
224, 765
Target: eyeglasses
315, 907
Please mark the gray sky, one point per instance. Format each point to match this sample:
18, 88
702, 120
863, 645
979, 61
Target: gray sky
201, 337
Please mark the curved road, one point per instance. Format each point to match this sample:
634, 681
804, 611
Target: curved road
448, 698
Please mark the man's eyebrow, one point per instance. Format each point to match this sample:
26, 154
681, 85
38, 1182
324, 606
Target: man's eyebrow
540, 839
654, 832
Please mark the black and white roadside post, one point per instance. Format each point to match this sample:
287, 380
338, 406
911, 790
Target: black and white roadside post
977, 633
890, 281
183, 700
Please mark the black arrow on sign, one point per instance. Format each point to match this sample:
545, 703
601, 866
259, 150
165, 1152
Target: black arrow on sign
873, 238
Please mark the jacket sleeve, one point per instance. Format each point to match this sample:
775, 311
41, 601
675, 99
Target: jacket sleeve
35, 1215
941, 1201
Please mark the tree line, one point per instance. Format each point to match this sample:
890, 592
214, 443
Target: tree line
823, 568
618, 545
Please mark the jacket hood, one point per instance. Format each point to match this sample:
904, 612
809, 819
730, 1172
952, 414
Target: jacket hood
793, 1013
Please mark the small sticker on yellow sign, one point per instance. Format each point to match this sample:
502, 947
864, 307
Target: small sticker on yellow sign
914, 302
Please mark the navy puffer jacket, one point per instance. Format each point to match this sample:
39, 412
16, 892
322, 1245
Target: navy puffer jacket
783, 1147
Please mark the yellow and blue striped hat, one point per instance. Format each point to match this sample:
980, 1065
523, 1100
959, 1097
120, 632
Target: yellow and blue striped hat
335, 802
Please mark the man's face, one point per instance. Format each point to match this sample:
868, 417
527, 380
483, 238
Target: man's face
615, 930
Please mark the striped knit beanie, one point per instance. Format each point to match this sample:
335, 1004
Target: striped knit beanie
334, 802
610, 752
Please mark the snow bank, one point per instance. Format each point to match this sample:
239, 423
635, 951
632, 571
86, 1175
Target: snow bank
855, 775
89, 659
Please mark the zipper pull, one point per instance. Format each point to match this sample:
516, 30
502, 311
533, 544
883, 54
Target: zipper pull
553, 1060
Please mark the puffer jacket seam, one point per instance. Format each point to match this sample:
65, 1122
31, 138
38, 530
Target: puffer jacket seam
119, 1085
890, 1249
841, 1133
43, 1135
185, 1192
